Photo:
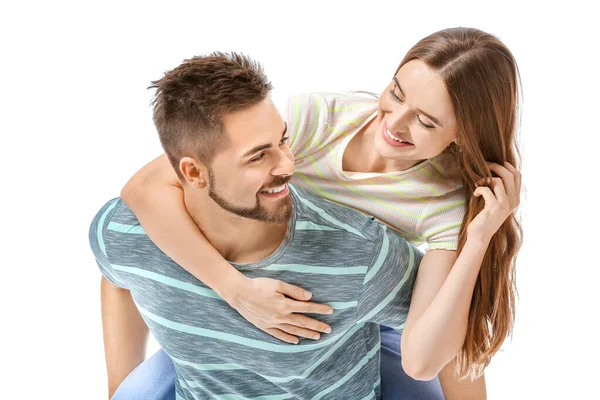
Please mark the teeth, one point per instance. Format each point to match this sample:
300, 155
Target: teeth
275, 190
394, 137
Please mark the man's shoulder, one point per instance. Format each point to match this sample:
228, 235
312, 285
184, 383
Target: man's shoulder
117, 216
111, 222
124, 220
323, 212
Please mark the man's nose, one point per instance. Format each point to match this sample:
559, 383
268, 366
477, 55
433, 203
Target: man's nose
285, 163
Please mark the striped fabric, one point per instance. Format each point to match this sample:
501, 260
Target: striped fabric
348, 260
425, 203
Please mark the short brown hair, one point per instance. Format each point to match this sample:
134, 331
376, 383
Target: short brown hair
191, 100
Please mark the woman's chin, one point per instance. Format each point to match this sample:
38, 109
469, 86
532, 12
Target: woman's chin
390, 153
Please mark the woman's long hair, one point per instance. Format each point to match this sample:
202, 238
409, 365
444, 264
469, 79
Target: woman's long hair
481, 77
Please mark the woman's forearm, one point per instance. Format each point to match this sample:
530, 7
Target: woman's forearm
176, 234
271, 305
438, 334
437, 331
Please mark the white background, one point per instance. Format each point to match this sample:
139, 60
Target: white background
76, 123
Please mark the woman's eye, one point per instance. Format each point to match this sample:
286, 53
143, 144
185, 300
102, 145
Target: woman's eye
258, 157
424, 125
285, 140
394, 95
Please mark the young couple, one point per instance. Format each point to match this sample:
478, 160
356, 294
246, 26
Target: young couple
257, 275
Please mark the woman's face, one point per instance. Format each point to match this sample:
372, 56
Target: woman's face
416, 116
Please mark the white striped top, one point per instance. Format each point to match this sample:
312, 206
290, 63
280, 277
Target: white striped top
425, 203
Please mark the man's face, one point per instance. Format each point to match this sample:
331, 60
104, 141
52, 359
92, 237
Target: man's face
249, 177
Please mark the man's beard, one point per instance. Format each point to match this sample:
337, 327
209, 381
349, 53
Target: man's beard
282, 212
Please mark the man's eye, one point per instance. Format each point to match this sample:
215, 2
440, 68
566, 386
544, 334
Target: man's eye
258, 157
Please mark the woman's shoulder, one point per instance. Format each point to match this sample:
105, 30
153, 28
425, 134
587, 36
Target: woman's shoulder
333, 105
444, 170
357, 96
442, 216
316, 119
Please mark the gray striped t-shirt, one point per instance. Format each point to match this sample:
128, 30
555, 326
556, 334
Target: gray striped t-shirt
348, 260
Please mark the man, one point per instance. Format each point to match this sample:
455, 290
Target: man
228, 145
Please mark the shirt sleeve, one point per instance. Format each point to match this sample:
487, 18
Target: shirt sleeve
441, 220
97, 235
387, 288
307, 123
315, 120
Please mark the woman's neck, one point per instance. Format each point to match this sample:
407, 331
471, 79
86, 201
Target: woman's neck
361, 156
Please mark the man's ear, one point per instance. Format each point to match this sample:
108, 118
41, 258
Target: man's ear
195, 172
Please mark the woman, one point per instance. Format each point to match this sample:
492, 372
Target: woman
433, 158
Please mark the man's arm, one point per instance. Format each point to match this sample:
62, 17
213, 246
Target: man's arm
125, 334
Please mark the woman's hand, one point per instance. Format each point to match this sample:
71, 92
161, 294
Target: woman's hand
274, 306
501, 199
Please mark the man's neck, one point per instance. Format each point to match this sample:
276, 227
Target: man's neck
238, 239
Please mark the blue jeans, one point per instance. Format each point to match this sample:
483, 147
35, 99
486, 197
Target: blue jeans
154, 379
395, 384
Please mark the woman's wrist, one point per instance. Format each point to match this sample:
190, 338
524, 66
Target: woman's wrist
478, 240
230, 291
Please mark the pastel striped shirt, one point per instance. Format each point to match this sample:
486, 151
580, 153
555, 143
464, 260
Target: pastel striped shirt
352, 262
425, 203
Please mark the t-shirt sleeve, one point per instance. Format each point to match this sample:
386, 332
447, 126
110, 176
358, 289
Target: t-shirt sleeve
441, 220
98, 244
387, 288
307, 123
315, 120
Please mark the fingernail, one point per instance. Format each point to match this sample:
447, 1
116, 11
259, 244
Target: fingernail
316, 337
307, 293
330, 312
328, 330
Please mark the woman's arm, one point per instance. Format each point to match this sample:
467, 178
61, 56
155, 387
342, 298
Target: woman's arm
267, 303
455, 389
436, 325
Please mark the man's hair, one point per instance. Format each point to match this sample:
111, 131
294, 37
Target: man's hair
192, 99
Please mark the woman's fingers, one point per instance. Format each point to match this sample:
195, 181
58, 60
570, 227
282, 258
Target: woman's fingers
308, 323
293, 291
496, 186
281, 335
508, 179
487, 194
517, 176
500, 191
307, 307
301, 332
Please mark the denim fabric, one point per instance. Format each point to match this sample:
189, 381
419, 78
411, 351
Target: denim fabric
154, 379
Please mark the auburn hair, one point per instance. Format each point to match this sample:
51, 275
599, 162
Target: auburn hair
481, 77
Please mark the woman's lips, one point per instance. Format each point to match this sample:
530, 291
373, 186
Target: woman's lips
392, 139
